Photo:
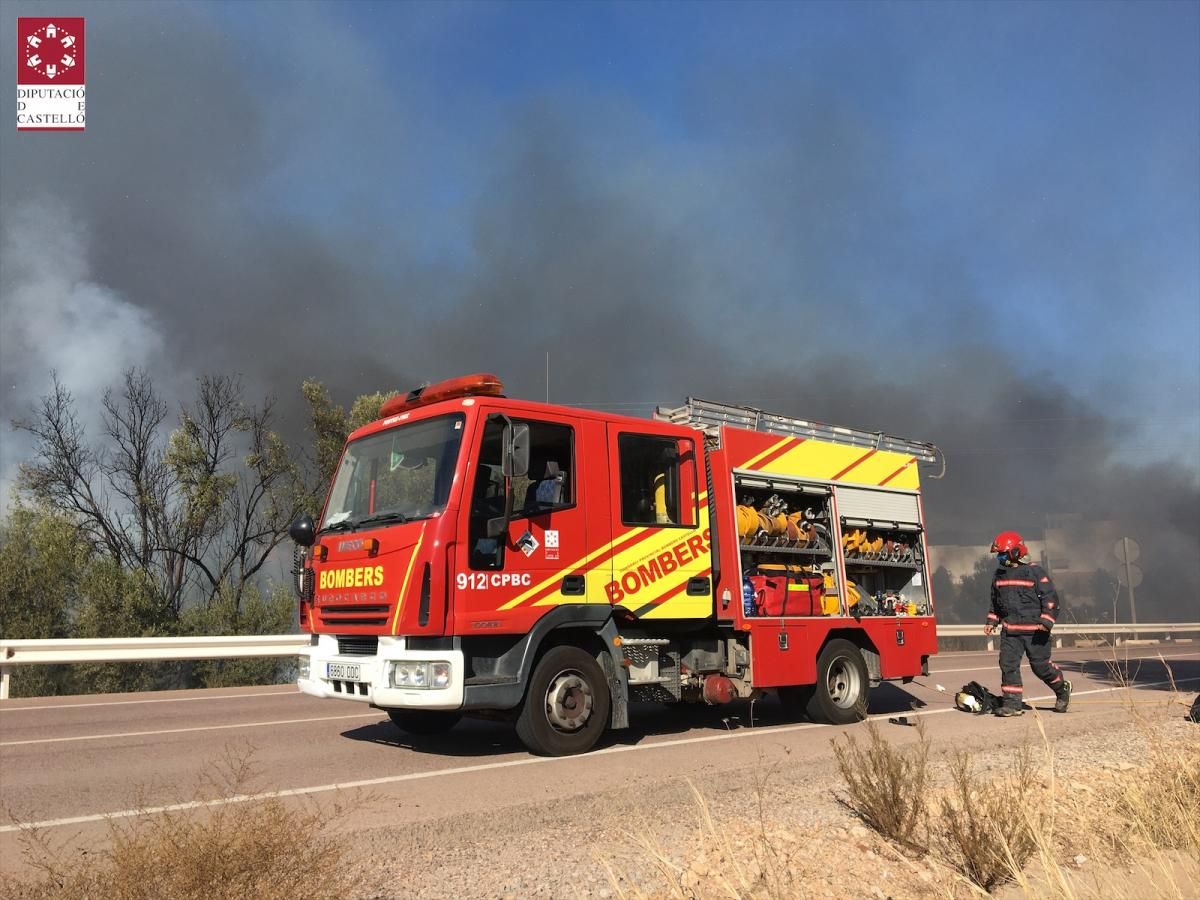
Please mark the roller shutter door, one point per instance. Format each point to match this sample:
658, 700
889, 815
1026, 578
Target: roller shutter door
879, 506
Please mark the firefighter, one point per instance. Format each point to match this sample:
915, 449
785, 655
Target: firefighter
1025, 606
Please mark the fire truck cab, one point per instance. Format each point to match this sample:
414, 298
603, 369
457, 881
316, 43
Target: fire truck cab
483, 555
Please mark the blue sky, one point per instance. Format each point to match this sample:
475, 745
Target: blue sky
1020, 174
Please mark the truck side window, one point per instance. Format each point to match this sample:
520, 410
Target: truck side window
651, 491
549, 484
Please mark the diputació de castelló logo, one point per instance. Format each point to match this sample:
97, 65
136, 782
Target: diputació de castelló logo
51, 94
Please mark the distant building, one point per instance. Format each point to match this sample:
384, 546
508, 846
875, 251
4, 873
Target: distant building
1076, 551
960, 559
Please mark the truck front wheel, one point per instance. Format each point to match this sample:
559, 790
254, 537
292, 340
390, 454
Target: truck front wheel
567, 705
424, 721
840, 695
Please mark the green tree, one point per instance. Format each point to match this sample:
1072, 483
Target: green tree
975, 590
43, 558
255, 612
945, 595
193, 509
330, 425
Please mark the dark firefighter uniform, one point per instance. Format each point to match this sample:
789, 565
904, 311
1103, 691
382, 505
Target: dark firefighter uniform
1025, 606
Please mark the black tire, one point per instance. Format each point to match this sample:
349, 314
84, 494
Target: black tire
843, 687
424, 721
566, 705
795, 700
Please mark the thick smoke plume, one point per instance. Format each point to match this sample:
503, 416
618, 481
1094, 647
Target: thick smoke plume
287, 217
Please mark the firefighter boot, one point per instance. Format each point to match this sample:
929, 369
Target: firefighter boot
1064, 697
1006, 711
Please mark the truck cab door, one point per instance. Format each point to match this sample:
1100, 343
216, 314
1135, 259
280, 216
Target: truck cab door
504, 583
661, 558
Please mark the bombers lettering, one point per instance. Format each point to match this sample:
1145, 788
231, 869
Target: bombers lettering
357, 576
657, 567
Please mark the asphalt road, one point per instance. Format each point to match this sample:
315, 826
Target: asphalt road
70, 763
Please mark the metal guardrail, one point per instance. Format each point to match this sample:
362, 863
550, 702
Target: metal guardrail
146, 649
158, 649
1119, 633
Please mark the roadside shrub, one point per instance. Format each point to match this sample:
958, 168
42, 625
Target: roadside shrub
887, 787
988, 831
268, 849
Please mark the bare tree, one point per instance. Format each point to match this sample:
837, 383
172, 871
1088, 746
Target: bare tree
194, 509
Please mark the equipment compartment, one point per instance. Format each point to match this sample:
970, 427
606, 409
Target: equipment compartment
886, 562
787, 546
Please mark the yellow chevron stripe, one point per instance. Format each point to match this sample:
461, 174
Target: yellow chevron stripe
875, 469
682, 607
817, 459
404, 585
579, 563
750, 462
639, 552
909, 479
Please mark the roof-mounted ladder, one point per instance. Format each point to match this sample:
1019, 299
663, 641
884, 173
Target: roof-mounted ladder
708, 417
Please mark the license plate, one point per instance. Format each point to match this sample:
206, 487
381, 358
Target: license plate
344, 671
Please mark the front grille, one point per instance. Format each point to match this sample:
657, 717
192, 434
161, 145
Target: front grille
354, 615
357, 645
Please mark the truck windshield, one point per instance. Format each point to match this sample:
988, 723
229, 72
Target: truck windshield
397, 475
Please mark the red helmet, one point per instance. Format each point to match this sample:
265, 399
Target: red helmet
1010, 542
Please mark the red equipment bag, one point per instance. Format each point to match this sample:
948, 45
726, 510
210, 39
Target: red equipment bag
790, 594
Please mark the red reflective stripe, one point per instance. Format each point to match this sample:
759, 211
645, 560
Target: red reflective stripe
1048, 618
1055, 680
779, 451
1012, 690
1013, 582
993, 616
1045, 581
898, 471
861, 459
1023, 627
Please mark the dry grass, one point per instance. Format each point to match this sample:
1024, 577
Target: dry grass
887, 787
265, 849
755, 862
987, 831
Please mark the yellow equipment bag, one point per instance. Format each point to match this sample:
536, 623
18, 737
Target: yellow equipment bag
747, 521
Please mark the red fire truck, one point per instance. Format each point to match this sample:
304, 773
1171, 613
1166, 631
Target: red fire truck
484, 555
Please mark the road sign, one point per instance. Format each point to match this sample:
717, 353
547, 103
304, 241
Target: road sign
1134, 576
1120, 549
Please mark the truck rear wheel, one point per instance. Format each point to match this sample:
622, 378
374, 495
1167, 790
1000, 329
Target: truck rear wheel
567, 705
424, 721
840, 695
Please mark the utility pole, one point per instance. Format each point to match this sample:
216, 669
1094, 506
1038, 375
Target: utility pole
1129, 581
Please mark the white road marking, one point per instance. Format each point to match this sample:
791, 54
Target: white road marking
290, 690
1085, 662
282, 693
506, 764
127, 734
96, 737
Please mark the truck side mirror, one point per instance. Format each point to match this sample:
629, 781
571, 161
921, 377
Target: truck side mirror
303, 531
515, 458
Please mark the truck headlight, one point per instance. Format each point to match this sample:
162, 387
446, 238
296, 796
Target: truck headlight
302, 666
402, 674
440, 675
421, 675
